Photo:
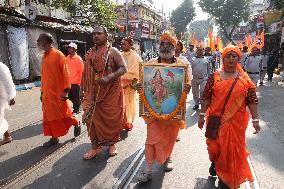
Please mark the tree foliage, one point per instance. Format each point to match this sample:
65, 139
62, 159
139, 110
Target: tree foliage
279, 4
99, 12
182, 16
228, 14
200, 28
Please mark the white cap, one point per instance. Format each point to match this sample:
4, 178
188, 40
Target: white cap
73, 45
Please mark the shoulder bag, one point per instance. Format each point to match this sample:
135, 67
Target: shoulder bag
214, 122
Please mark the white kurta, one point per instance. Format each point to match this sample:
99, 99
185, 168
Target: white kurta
7, 93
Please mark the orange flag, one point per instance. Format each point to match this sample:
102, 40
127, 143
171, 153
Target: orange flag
249, 43
259, 40
246, 41
229, 43
240, 45
220, 46
210, 40
194, 40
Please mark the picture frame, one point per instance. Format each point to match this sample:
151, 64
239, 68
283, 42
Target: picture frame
163, 85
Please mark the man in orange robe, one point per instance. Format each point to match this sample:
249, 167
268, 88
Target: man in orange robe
57, 117
162, 134
227, 151
102, 94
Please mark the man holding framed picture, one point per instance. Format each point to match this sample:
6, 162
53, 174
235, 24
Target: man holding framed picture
163, 88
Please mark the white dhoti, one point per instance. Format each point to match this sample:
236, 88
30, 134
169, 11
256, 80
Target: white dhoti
198, 86
262, 75
254, 78
3, 122
7, 93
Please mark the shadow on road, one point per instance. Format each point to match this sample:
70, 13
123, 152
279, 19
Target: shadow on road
124, 165
71, 171
202, 183
15, 165
155, 183
27, 132
123, 135
191, 116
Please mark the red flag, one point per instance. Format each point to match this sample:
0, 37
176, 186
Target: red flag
171, 75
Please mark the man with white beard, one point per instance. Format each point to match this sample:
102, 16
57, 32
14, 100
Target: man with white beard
7, 95
254, 65
200, 70
162, 134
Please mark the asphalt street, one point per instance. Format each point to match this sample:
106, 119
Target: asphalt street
62, 166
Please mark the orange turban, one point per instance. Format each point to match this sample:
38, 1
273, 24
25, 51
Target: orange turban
167, 35
230, 48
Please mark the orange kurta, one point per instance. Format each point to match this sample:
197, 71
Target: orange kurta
229, 151
57, 117
132, 60
106, 121
161, 136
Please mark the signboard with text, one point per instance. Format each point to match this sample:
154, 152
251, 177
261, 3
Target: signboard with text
30, 12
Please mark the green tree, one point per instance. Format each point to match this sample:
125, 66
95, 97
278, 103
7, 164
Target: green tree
228, 14
200, 28
279, 4
182, 16
99, 12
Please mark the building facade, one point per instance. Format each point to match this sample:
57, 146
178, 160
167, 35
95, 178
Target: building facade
141, 22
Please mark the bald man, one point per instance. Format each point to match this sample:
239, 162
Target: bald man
57, 117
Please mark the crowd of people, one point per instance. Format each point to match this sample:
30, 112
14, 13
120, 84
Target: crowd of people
223, 86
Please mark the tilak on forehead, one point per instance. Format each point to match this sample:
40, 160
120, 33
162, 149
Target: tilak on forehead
169, 37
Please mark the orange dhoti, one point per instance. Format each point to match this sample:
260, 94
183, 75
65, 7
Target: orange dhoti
56, 127
129, 100
106, 122
161, 137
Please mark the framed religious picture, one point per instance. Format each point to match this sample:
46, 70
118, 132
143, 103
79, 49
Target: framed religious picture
163, 97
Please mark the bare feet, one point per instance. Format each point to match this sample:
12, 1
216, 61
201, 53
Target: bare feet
112, 150
92, 153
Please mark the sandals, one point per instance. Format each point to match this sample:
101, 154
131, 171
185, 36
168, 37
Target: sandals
112, 151
92, 153
212, 170
144, 177
128, 126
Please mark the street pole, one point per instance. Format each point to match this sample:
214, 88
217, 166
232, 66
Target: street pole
126, 28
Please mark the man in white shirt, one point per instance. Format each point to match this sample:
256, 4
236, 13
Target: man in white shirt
178, 55
254, 65
200, 71
210, 59
190, 53
217, 57
244, 57
264, 58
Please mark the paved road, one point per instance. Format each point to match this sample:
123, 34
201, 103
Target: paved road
66, 169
